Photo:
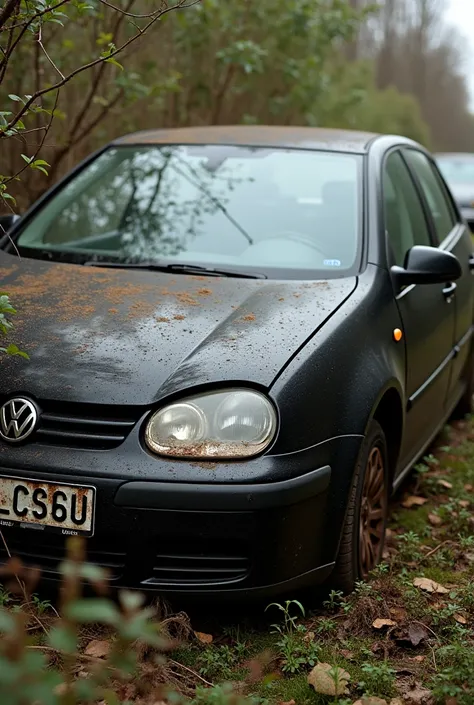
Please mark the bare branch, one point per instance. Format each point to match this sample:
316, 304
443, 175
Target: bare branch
40, 43
143, 17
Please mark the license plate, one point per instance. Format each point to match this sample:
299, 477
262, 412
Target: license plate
67, 509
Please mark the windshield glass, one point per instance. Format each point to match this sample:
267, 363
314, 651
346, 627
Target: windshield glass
457, 170
208, 205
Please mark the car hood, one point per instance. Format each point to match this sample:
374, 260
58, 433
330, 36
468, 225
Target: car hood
116, 336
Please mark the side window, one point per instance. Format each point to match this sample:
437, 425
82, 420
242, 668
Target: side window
441, 209
405, 220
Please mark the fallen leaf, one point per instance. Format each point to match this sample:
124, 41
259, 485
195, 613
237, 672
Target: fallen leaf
469, 557
97, 649
417, 633
413, 501
444, 483
398, 613
381, 623
329, 680
349, 655
429, 585
464, 503
308, 637
418, 658
468, 488
204, 638
418, 696
435, 520
460, 619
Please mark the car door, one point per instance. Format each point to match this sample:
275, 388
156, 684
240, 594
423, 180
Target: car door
427, 311
453, 235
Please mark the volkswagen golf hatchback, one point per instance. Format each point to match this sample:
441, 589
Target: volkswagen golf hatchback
240, 341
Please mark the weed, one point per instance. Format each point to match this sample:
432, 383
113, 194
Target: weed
380, 570
466, 542
297, 651
289, 620
363, 589
456, 677
219, 661
5, 597
378, 680
223, 695
334, 601
458, 517
41, 606
409, 547
325, 626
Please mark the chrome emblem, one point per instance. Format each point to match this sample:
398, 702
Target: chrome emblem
18, 419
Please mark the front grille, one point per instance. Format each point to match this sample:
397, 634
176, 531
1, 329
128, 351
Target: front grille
186, 566
87, 426
47, 551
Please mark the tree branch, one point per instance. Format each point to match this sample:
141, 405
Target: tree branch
101, 60
7, 11
35, 17
95, 83
39, 147
143, 17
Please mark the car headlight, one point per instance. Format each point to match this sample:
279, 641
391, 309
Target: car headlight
234, 423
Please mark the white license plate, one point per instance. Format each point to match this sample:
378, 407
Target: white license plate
67, 509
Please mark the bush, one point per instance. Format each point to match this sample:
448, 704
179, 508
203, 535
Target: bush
129, 663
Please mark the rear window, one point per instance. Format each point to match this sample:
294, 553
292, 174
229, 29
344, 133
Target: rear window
209, 205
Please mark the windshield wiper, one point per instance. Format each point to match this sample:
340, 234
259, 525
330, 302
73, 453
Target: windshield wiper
177, 267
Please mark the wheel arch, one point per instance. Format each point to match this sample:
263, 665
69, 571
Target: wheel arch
388, 412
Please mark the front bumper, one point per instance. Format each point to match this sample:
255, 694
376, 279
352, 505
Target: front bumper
209, 539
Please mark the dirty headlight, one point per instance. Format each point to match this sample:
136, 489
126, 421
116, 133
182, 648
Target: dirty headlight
236, 423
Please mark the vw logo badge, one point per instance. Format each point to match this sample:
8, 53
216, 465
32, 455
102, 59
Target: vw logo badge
18, 419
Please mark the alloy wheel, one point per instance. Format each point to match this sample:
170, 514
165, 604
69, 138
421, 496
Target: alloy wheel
373, 512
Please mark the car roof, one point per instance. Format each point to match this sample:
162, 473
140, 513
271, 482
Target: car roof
257, 136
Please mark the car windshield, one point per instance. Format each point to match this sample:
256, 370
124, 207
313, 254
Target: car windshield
457, 170
226, 206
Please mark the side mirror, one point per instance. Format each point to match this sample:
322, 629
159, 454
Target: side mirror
7, 222
427, 265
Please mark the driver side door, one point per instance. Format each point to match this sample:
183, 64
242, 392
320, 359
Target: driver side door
426, 310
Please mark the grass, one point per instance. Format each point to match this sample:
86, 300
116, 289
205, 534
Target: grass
423, 651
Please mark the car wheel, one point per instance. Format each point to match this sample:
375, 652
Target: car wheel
363, 535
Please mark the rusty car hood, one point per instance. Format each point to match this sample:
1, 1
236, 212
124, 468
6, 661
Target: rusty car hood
117, 336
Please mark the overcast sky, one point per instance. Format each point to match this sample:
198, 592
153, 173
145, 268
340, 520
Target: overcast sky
460, 13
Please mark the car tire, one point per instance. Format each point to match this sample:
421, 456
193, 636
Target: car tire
363, 535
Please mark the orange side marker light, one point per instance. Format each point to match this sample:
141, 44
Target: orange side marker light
397, 335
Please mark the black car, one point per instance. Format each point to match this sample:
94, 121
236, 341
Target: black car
240, 340
458, 170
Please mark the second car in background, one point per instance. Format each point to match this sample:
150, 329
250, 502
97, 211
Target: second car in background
458, 170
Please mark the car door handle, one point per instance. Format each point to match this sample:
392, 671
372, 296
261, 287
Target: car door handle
449, 291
